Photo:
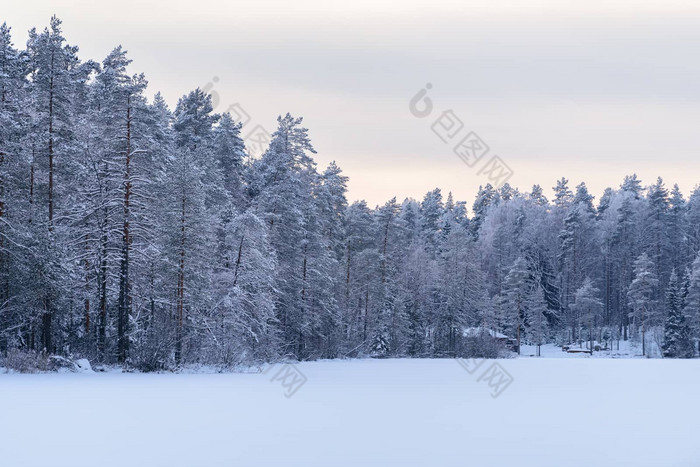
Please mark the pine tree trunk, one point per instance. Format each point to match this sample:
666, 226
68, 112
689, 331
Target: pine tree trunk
644, 348
300, 349
31, 187
48, 309
124, 285
180, 288
102, 284
384, 246
348, 331
51, 150
4, 295
364, 332
238, 261
518, 330
86, 264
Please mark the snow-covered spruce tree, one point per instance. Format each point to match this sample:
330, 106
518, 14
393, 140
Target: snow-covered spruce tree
563, 196
588, 308
584, 198
379, 347
538, 240
625, 245
229, 150
332, 205
431, 212
692, 302
392, 248
632, 185
94, 211
359, 247
641, 296
195, 188
501, 240
57, 80
320, 268
283, 184
677, 227
153, 334
462, 290
578, 237
241, 327
677, 343
692, 221
119, 168
606, 217
656, 236
417, 292
486, 197
537, 196
517, 287
536, 321
14, 124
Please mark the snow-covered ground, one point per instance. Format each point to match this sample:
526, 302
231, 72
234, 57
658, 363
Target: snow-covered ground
555, 412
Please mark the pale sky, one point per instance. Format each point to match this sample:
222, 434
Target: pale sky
589, 90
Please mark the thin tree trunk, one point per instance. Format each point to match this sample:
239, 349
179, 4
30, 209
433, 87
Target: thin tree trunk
238, 261
124, 284
102, 284
364, 332
181, 288
644, 347
31, 187
300, 351
47, 317
3, 273
51, 144
86, 264
386, 239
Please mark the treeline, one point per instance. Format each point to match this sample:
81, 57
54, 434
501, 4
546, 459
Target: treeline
135, 234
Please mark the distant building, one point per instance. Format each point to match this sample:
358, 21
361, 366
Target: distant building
481, 332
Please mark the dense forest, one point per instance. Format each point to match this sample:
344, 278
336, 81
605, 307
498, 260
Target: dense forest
136, 234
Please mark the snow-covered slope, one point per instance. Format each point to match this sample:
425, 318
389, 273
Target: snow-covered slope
555, 412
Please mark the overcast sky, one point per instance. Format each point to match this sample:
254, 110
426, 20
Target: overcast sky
589, 90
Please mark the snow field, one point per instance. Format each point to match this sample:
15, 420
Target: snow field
557, 412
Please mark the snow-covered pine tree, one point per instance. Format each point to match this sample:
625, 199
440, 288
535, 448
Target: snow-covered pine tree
487, 196
536, 321
563, 197
193, 217
463, 293
588, 308
692, 303
242, 323
677, 343
283, 183
14, 207
56, 76
578, 237
517, 287
229, 150
677, 228
431, 212
641, 295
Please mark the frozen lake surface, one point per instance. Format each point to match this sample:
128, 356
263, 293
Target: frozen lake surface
554, 412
